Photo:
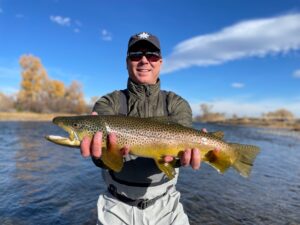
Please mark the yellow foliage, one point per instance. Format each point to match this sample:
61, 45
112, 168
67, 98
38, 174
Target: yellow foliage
41, 94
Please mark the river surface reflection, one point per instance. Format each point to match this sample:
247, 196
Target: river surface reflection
43, 183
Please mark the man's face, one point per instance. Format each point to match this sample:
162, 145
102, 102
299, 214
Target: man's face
143, 70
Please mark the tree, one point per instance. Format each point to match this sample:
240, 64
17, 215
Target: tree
6, 103
208, 116
206, 109
41, 94
33, 85
75, 98
280, 114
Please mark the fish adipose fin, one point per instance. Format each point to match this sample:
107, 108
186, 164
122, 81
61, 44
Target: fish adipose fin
112, 158
218, 134
246, 155
167, 168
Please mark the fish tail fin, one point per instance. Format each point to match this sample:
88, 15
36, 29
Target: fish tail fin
246, 155
112, 158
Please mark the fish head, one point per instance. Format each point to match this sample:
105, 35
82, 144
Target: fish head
77, 126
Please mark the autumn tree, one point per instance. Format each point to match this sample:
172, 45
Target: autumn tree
280, 114
75, 99
206, 109
33, 84
6, 103
41, 94
208, 115
56, 91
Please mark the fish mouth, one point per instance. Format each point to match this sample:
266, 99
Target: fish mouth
71, 141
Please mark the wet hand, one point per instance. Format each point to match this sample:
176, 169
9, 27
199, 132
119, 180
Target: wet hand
93, 147
189, 157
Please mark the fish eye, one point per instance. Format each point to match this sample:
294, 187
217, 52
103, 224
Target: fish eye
75, 125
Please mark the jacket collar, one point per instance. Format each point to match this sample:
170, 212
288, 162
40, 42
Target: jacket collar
142, 91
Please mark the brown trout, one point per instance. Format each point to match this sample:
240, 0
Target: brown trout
155, 138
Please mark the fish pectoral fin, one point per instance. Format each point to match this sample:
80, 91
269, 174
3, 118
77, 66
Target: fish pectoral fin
218, 160
167, 168
112, 158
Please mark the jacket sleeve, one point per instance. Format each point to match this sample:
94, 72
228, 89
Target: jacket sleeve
179, 109
107, 104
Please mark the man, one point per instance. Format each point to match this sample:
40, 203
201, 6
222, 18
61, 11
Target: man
141, 193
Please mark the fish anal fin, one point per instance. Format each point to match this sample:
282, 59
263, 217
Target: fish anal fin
218, 160
112, 158
166, 167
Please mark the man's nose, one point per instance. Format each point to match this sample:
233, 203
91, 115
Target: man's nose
144, 59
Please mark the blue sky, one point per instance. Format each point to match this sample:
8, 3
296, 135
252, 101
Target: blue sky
242, 57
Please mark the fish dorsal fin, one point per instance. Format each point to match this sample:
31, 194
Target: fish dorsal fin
218, 134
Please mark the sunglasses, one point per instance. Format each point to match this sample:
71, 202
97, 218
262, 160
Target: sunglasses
137, 56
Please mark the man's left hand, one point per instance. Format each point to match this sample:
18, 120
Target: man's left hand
190, 157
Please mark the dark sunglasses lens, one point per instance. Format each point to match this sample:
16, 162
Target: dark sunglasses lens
152, 56
135, 56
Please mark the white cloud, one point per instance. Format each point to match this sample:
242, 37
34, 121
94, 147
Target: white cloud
63, 21
1, 10
76, 30
250, 38
247, 108
237, 85
296, 74
106, 35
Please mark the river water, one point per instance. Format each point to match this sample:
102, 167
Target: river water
43, 183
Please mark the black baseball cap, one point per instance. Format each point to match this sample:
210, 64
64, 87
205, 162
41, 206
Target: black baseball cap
143, 36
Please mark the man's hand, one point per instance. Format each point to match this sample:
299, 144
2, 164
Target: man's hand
190, 157
93, 147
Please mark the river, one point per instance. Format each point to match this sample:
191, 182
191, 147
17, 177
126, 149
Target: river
43, 183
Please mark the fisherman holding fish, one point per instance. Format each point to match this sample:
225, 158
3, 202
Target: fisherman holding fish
140, 137
141, 193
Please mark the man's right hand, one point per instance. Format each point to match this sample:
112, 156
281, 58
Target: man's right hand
93, 147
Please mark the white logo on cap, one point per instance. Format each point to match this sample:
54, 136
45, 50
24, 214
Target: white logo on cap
143, 35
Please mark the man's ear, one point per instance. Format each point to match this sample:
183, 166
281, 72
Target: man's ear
161, 61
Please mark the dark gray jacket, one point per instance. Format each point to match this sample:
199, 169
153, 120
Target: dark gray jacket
144, 101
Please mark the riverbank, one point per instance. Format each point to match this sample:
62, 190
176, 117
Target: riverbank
293, 125
255, 122
29, 116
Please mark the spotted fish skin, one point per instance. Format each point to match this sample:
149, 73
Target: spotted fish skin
155, 138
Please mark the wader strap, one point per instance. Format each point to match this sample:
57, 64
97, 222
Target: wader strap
123, 110
139, 203
165, 104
